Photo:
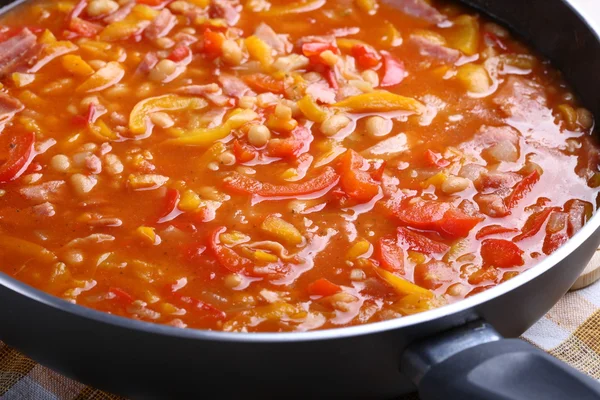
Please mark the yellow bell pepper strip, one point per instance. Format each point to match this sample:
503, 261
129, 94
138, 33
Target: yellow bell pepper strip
207, 136
51, 51
138, 119
109, 75
259, 50
76, 65
312, 110
122, 30
296, 7
379, 101
26, 248
282, 230
463, 35
401, 285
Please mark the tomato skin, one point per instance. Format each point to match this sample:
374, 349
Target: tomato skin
243, 152
435, 159
20, 155
296, 144
417, 242
323, 287
264, 83
522, 188
389, 254
366, 57
179, 53
434, 274
357, 183
121, 295
534, 223
394, 70
243, 184
224, 255
501, 253
493, 230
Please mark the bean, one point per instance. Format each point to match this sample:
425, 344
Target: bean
232, 53
164, 43
73, 257
259, 135
371, 76
334, 124
585, 118
283, 112
247, 102
162, 70
97, 8
60, 163
455, 184
329, 58
377, 126
82, 184
232, 281
226, 158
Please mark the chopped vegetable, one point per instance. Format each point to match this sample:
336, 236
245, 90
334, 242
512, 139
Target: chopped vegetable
379, 101
402, 286
323, 287
282, 230
140, 114
501, 253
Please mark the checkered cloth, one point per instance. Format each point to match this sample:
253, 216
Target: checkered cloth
570, 332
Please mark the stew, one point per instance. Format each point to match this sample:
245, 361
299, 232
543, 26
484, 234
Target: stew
261, 165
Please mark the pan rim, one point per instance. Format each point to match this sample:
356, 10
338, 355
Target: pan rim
461, 306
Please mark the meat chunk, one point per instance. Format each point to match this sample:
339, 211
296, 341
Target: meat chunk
44, 210
492, 205
121, 13
16, 51
225, 9
321, 92
430, 49
497, 180
161, 25
418, 9
149, 61
521, 98
9, 106
211, 92
234, 86
47, 191
279, 43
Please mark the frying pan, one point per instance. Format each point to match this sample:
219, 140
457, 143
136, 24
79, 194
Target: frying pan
455, 352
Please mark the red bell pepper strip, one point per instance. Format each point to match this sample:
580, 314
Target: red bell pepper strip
243, 184
501, 253
20, 155
394, 70
366, 57
493, 230
224, 255
355, 181
417, 242
322, 287
438, 216
522, 188
170, 210
389, 254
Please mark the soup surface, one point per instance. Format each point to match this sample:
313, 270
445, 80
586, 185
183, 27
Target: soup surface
280, 166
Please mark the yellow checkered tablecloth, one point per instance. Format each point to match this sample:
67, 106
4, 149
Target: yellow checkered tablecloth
570, 332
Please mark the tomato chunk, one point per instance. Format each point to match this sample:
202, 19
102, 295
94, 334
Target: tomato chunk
417, 242
434, 274
355, 179
291, 147
366, 57
389, 254
323, 287
264, 83
20, 155
501, 253
243, 152
213, 43
437, 216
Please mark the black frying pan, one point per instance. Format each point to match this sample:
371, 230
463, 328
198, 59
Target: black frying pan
454, 352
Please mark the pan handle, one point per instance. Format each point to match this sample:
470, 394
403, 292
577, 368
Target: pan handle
475, 362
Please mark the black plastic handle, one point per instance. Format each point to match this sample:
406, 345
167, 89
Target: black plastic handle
455, 367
